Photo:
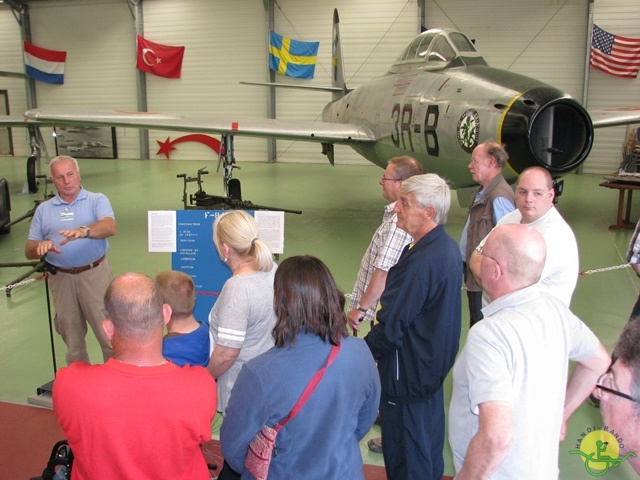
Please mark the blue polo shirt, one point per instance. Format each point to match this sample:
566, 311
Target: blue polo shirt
55, 214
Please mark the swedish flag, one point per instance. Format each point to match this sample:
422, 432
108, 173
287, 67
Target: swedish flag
292, 57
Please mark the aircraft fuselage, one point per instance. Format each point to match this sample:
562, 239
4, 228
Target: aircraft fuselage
439, 115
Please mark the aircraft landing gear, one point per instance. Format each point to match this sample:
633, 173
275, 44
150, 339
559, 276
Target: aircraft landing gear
32, 183
35, 142
226, 158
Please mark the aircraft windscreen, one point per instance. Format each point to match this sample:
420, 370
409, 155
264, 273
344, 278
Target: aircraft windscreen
441, 51
461, 42
418, 47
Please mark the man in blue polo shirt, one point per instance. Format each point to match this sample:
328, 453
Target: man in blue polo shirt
71, 230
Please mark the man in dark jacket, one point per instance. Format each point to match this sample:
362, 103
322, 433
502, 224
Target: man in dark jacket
491, 201
416, 340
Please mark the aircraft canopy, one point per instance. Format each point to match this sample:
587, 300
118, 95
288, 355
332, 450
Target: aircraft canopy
437, 47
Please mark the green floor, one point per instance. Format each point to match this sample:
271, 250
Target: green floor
342, 207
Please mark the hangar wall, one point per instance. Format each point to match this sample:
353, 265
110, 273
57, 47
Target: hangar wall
539, 38
620, 17
226, 42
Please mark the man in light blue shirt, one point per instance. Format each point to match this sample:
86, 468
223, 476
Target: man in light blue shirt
71, 229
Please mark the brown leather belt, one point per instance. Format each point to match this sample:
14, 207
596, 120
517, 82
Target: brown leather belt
84, 268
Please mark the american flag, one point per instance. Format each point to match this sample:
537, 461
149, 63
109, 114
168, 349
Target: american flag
615, 55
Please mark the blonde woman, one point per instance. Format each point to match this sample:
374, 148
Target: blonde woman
242, 319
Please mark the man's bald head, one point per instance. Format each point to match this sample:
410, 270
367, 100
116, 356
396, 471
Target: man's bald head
520, 252
134, 305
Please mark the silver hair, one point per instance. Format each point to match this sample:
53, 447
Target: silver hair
60, 159
430, 189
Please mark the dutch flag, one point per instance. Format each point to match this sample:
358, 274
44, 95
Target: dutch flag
44, 65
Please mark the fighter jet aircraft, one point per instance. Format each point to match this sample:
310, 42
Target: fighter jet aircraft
436, 103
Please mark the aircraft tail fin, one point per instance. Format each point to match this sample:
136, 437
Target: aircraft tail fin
337, 64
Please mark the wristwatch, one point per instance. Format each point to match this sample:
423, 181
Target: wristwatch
359, 307
88, 231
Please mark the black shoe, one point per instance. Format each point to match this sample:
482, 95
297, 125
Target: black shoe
375, 445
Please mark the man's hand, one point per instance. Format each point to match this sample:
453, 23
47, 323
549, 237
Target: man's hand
46, 246
355, 318
73, 234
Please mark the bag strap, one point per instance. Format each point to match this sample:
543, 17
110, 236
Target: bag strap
311, 386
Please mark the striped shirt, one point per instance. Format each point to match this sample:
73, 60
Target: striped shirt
383, 253
633, 255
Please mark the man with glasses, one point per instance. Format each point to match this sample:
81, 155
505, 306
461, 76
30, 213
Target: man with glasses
383, 253
491, 201
385, 247
510, 380
619, 392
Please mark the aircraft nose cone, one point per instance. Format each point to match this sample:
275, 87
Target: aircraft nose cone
547, 128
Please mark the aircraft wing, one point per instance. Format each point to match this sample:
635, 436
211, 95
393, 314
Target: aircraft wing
611, 117
18, 121
319, 132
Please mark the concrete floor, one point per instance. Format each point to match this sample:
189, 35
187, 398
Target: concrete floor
342, 207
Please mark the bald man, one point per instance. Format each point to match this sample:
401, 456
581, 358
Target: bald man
115, 415
514, 365
534, 202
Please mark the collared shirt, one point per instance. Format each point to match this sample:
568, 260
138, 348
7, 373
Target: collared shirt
633, 254
55, 214
383, 253
518, 355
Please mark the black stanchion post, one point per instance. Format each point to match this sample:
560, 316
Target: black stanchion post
53, 346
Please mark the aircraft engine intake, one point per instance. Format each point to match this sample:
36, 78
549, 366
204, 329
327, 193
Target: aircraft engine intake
547, 128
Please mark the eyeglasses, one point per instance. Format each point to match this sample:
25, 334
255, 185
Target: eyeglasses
480, 250
607, 379
385, 179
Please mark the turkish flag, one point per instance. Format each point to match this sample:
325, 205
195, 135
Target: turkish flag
160, 60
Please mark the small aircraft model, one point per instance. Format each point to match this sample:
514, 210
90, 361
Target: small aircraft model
436, 103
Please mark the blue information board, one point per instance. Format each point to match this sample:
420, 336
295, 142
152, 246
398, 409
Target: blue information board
196, 255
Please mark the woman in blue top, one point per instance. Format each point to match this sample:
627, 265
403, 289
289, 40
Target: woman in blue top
322, 440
